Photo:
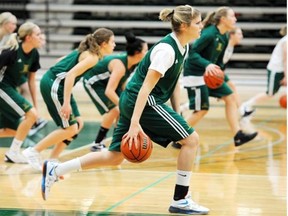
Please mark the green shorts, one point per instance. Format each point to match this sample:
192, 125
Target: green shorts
97, 94
226, 77
13, 106
7, 123
199, 95
273, 82
23, 79
159, 121
52, 90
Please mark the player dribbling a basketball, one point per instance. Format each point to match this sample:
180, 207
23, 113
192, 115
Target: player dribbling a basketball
142, 108
206, 56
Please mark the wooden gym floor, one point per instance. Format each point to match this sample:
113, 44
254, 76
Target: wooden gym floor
248, 181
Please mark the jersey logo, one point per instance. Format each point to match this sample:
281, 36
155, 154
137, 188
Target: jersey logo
19, 60
25, 69
219, 47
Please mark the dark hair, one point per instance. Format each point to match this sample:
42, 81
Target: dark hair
133, 44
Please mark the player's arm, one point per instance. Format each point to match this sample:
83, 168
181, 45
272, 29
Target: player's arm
32, 88
175, 98
86, 62
7, 57
198, 46
35, 66
117, 69
157, 69
149, 83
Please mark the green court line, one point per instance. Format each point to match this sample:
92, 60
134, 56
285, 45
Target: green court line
209, 153
170, 174
28, 212
139, 191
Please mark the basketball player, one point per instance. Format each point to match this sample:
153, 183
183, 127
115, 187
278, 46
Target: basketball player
143, 110
56, 88
235, 38
8, 24
276, 73
17, 115
205, 57
23, 88
107, 79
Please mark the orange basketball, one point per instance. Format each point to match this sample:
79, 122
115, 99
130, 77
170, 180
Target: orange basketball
214, 81
140, 154
283, 101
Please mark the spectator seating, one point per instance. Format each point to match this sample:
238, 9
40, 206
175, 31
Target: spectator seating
67, 22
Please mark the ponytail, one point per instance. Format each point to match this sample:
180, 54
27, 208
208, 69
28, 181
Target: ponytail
11, 43
134, 45
92, 42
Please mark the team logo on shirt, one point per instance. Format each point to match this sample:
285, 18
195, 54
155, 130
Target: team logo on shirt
219, 47
25, 68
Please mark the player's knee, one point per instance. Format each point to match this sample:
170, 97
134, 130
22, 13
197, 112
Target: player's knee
72, 130
80, 123
32, 114
192, 140
201, 113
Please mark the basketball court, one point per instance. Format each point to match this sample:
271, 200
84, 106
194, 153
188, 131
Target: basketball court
244, 181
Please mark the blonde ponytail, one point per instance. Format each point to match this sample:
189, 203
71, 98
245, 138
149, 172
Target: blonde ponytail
11, 43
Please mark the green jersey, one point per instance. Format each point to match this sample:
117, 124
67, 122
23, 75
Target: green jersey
61, 68
21, 64
207, 49
99, 75
166, 85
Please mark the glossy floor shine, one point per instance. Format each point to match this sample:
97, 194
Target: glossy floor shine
247, 181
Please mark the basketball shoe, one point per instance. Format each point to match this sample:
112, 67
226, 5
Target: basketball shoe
33, 157
14, 157
40, 123
98, 147
241, 138
246, 111
49, 177
187, 206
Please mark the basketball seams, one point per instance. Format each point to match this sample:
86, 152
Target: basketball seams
147, 150
138, 155
214, 81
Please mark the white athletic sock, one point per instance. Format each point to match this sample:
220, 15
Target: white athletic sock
256, 100
249, 104
68, 166
184, 107
16, 145
183, 177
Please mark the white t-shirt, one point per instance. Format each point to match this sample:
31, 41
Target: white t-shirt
228, 54
163, 56
276, 60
